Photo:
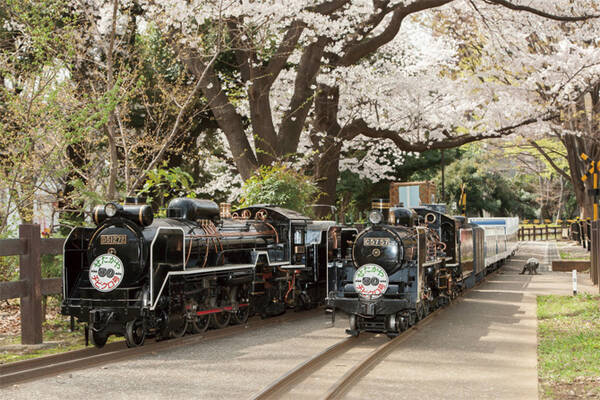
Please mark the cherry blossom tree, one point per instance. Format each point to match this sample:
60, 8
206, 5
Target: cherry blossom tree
316, 79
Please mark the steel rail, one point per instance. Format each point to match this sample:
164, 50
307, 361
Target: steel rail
289, 380
359, 370
343, 384
22, 371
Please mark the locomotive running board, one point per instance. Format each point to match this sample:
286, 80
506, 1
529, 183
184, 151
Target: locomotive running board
200, 271
222, 268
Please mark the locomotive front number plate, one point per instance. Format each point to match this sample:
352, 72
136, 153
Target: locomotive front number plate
113, 239
373, 241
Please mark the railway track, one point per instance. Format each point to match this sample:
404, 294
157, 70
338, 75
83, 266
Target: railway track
380, 344
36, 368
284, 385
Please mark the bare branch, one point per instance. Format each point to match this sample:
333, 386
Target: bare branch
368, 46
282, 54
561, 171
175, 128
359, 126
563, 18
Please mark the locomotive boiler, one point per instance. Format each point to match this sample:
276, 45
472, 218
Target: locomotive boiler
134, 275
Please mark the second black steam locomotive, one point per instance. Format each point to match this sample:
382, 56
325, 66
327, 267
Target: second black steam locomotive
411, 261
135, 276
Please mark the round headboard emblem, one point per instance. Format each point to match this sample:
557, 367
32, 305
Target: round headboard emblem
106, 272
371, 281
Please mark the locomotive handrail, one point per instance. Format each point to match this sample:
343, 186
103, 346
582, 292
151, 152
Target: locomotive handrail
156, 236
231, 234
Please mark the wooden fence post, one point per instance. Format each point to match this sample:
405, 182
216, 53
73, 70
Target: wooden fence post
30, 270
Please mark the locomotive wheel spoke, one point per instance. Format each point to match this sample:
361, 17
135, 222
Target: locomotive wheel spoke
241, 315
179, 331
241, 297
134, 333
220, 320
196, 323
420, 311
199, 324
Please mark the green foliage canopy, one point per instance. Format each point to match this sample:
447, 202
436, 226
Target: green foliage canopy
281, 186
486, 190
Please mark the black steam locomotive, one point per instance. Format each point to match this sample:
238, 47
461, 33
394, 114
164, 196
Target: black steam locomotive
137, 276
415, 261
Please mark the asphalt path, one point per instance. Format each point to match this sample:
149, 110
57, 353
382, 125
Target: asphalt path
484, 347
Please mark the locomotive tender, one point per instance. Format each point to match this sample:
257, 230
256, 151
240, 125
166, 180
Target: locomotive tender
411, 261
135, 276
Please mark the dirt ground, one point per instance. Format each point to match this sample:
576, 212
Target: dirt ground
10, 318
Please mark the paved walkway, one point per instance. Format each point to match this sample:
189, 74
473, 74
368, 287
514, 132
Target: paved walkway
484, 347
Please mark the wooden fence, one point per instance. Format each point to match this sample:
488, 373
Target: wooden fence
30, 287
540, 233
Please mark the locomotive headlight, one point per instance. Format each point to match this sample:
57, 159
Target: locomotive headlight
375, 217
110, 210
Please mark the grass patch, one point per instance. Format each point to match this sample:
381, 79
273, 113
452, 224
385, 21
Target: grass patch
565, 255
56, 329
569, 346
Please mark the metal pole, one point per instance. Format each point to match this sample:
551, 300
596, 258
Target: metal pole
443, 180
574, 282
595, 196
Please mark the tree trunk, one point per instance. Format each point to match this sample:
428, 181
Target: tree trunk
327, 172
265, 137
114, 161
328, 159
225, 114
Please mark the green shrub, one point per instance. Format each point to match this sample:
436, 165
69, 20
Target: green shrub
281, 186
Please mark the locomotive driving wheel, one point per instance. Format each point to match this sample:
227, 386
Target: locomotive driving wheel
178, 326
241, 295
134, 333
173, 325
221, 319
197, 323
420, 311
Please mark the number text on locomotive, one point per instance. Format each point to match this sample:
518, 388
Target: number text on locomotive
113, 239
373, 241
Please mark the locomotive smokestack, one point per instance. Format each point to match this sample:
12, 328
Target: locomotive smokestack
383, 206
